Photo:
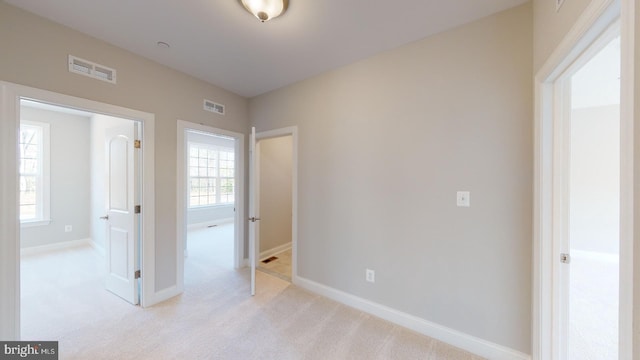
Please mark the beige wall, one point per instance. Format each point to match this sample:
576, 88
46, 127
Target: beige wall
384, 145
551, 26
34, 53
276, 156
636, 235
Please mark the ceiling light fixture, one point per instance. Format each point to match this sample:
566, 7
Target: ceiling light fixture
265, 10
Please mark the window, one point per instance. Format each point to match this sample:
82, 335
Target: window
34, 173
211, 175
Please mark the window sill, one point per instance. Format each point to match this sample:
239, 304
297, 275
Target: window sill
34, 223
209, 207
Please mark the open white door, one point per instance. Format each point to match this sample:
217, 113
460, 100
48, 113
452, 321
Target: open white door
122, 219
253, 215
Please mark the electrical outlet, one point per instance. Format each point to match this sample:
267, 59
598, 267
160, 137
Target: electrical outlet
68, 228
370, 276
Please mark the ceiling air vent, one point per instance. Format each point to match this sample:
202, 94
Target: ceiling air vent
213, 107
91, 69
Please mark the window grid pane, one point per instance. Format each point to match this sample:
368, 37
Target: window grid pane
211, 171
30, 171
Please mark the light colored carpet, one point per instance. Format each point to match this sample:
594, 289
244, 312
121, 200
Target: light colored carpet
63, 299
593, 301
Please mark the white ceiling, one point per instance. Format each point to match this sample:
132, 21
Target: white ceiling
219, 42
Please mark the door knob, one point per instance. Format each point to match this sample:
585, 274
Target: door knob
106, 217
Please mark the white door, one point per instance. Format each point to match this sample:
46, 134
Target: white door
122, 221
253, 215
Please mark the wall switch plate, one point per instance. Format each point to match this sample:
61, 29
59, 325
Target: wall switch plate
370, 276
68, 228
463, 198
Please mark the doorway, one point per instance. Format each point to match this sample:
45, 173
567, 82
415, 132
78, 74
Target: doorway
274, 169
583, 238
12, 94
210, 201
79, 183
282, 170
589, 275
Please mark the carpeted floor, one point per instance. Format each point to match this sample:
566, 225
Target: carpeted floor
593, 301
63, 299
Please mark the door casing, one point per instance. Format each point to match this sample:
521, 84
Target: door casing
598, 16
181, 196
270, 134
10, 95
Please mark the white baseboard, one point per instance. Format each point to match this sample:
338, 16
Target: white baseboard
33, 250
278, 249
98, 247
206, 224
453, 337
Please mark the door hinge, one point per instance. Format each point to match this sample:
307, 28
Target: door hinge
137, 209
565, 258
137, 274
254, 219
137, 144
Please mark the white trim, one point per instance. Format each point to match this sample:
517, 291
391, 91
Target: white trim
453, 337
36, 223
42, 249
97, 246
273, 251
9, 233
181, 197
596, 18
293, 132
206, 224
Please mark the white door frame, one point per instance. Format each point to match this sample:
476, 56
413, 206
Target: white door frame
10, 95
270, 134
597, 17
181, 196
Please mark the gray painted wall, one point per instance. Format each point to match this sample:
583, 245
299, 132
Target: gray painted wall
385, 143
70, 189
276, 157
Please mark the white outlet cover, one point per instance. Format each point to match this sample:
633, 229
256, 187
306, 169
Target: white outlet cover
463, 198
370, 275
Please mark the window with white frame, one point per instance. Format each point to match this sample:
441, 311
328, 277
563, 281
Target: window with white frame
34, 172
211, 175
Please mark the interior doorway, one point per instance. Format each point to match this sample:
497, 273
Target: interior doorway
274, 169
572, 154
210, 193
590, 273
79, 185
10, 96
282, 170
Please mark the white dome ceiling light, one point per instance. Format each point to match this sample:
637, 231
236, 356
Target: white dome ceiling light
265, 10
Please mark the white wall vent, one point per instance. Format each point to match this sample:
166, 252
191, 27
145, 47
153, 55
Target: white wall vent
91, 69
213, 107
